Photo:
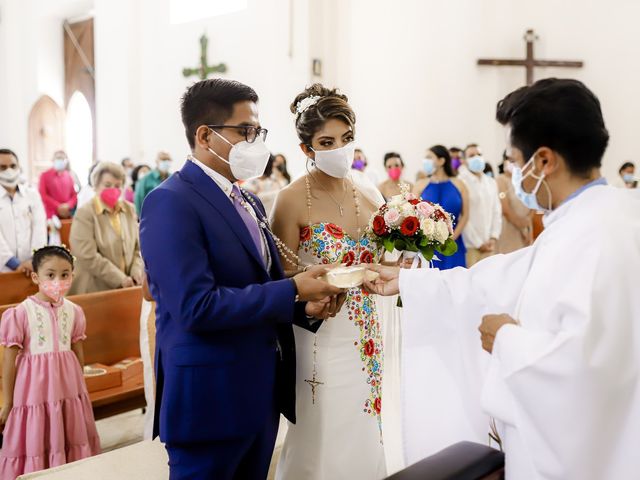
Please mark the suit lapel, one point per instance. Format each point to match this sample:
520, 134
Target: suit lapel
277, 272
209, 191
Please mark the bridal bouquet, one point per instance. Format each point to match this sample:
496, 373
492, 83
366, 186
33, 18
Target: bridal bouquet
409, 224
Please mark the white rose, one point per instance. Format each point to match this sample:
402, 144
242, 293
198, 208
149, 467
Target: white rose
428, 227
408, 210
442, 231
396, 201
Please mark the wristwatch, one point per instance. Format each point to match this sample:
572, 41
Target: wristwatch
295, 289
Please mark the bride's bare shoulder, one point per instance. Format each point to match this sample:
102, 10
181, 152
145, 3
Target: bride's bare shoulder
291, 198
294, 190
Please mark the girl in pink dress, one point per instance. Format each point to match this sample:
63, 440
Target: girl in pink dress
46, 414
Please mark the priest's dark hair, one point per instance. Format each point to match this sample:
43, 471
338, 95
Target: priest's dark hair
210, 102
560, 114
441, 151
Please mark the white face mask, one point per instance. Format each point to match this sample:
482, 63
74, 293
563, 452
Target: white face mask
10, 177
247, 160
336, 162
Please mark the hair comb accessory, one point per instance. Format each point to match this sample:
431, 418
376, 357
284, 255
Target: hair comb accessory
304, 104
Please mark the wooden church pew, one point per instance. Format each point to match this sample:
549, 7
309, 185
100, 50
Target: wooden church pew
113, 329
461, 461
15, 287
65, 232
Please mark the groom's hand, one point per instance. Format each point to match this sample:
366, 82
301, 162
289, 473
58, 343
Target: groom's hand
311, 289
387, 281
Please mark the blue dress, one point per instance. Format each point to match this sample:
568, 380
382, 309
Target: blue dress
447, 195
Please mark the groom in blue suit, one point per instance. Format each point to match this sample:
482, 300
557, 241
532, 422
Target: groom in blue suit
225, 354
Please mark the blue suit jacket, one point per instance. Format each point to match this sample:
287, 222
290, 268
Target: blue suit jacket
225, 354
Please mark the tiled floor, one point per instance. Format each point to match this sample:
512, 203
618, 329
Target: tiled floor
120, 430
126, 429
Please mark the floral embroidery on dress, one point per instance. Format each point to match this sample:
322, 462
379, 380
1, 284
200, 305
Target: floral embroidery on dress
40, 327
330, 244
64, 327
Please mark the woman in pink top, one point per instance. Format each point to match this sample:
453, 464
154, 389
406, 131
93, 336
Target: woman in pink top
47, 418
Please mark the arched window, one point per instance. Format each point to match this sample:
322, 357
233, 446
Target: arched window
79, 135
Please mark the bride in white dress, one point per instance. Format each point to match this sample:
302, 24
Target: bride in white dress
321, 219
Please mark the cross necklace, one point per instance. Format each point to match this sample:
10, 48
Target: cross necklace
314, 382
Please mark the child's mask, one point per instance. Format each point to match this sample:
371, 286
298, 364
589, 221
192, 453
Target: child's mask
55, 289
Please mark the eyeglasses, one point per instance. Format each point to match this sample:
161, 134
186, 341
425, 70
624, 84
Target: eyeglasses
250, 132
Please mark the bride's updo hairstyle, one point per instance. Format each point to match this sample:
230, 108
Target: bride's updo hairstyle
315, 106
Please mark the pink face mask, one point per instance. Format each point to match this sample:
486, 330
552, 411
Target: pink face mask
110, 196
394, 173
55, 289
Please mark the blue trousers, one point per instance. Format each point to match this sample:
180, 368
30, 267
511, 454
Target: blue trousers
244, 458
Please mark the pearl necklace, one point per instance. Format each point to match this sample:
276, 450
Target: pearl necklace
285, 252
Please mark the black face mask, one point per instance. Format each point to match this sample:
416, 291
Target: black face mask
281, 168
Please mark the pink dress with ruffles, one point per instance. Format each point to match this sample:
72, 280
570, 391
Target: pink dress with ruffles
51, 422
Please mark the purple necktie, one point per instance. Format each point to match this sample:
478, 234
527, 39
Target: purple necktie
249, 221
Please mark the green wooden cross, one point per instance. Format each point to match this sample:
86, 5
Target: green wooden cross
204, 70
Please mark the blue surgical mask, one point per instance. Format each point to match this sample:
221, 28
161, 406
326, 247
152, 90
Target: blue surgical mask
476, 164
529, 199
428, 166
59, 164
628, 178
164, 166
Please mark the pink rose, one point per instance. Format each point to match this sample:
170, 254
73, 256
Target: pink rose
425, 209
411, 196
392, 217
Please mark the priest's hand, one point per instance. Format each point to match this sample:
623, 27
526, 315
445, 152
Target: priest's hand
386, 283
490, 326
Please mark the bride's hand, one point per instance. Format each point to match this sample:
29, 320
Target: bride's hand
326, 308
387, 281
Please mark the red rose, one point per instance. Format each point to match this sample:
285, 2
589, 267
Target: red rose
409, 226
334, 230
305, 234
349, 258
377, 405
366, 257
414, 201
379, 225
369, 348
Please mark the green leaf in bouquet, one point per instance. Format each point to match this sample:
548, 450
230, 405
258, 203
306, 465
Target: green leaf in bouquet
389, 244
424, 241
401, 244
449, 248
427, 252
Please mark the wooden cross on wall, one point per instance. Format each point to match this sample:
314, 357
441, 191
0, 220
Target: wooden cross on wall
204, 70
529, 62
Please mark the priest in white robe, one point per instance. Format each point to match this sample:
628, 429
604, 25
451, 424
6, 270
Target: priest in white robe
543, 343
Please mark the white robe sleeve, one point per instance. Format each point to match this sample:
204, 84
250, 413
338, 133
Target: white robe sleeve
572, 393
443, 363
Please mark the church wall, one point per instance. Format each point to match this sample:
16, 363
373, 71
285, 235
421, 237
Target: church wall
412, 77
31, 63
140, 81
